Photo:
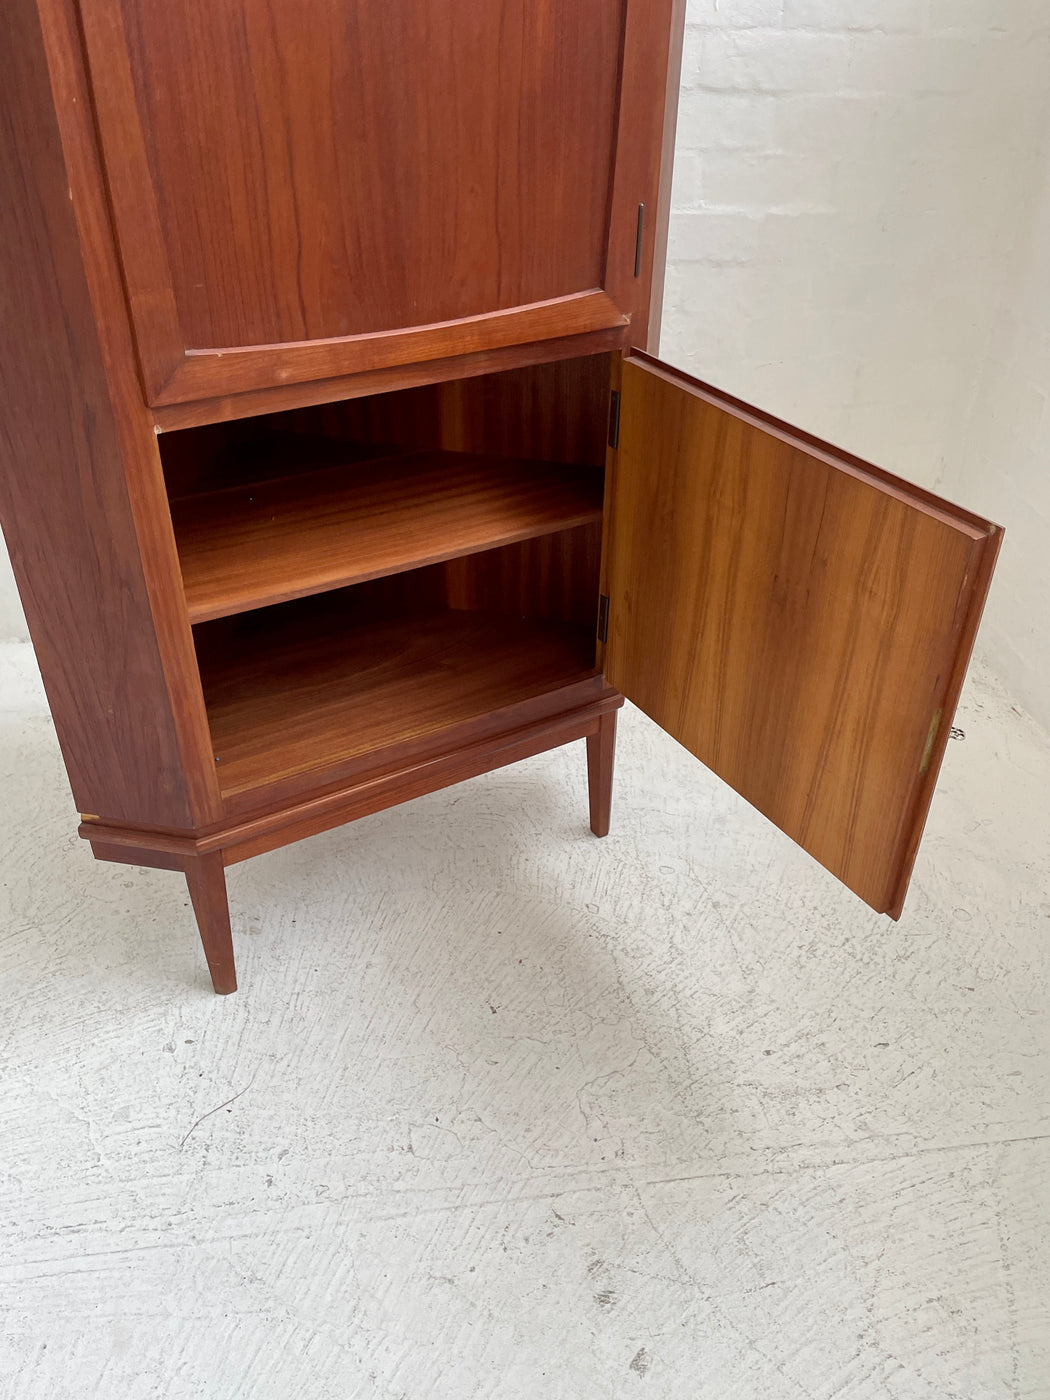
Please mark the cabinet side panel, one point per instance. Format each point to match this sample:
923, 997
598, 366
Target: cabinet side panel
63, 496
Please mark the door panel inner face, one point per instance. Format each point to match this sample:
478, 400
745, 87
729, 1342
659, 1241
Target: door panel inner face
798, 623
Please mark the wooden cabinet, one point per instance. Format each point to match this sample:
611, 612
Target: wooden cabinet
310, 188
334, 470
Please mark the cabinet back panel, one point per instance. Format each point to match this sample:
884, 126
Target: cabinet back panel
326, 168
550, 579
554, 412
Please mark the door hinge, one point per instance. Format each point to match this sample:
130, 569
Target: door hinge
603, 618
614, 420
638, 241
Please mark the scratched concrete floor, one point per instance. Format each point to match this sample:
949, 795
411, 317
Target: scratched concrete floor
518, 1114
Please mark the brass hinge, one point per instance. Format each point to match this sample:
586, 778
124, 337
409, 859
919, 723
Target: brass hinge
603, 618
614, 420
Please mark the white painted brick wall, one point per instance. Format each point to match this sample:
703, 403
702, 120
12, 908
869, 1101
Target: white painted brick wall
884, 16
856, 150
1006, 469
768, 60
852, 178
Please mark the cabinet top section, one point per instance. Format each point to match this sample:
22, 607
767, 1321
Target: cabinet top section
307, 190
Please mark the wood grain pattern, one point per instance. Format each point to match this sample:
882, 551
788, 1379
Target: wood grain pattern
798, 620
555, 412
206, 879
74, 495
276, 540
644, 158
229, 408
225, 456
133, 421
550, 579
574, 713
601, 756
403, 164
317, 188
323, 684
240, 369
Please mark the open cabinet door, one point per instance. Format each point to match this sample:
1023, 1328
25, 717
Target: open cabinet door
798, 620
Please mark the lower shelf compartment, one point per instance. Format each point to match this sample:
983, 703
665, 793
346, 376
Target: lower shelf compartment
311, 690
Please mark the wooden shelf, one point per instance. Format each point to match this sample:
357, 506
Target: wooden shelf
254, 545
307, 692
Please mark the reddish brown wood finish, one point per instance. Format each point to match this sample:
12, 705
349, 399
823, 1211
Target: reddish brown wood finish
376, 175
644, 157
148, 748
206, 878
203, 858
133, 424
78, 515
121, 854
320, 687
319, 188
575, 716
307, 201
205, 874
239, 370
271, 541
538, 353
549, 412
601, 754
310, 783
557, 411
553, 579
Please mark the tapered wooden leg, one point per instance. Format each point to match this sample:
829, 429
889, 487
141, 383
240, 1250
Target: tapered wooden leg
601, 750
206, 877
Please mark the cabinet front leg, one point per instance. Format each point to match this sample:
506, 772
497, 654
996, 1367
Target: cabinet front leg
206, 877
601, 750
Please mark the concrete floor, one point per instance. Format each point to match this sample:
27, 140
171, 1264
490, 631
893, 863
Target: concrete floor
503, 1111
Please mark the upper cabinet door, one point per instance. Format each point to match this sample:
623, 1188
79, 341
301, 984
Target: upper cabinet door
798, 620
304, 189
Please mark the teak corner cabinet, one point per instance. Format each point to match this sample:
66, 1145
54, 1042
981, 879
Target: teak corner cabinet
335, 470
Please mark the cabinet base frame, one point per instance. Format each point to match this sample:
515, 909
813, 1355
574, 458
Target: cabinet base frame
203, 856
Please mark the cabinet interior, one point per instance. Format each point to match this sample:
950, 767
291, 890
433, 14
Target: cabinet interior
363, 573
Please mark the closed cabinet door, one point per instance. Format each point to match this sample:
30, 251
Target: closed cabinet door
797, 619
305, 189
